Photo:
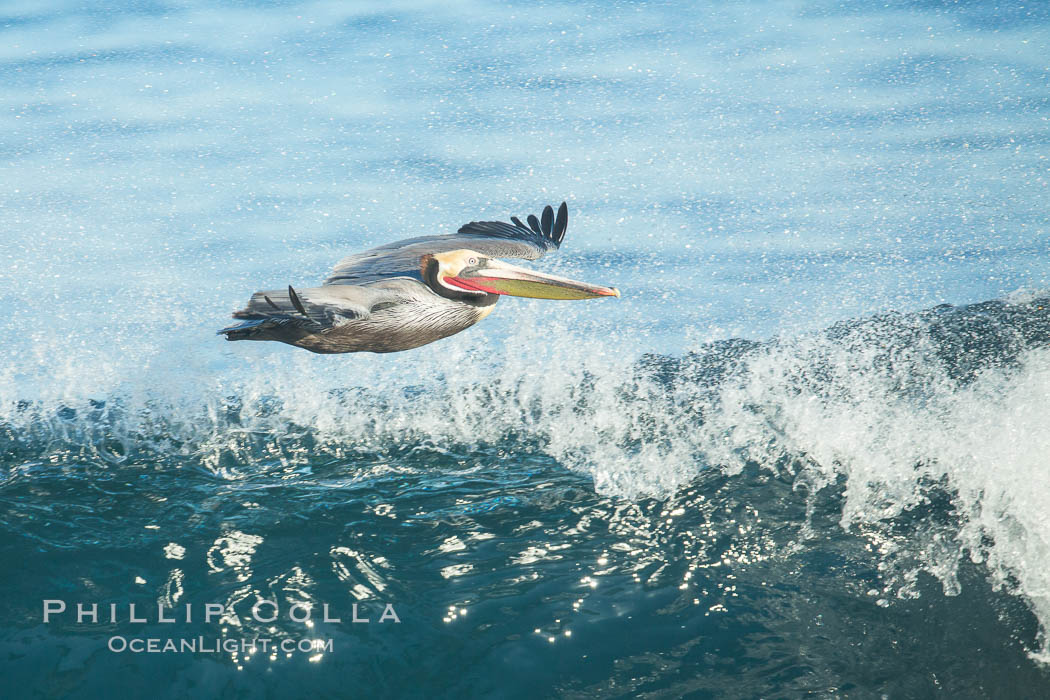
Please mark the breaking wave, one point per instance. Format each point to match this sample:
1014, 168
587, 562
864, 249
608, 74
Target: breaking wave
925, 432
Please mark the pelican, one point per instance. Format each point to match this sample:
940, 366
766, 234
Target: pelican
412, 292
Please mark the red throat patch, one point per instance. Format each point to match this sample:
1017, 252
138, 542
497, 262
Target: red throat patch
473, 285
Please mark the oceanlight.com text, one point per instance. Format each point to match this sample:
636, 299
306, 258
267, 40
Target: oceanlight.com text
204, 645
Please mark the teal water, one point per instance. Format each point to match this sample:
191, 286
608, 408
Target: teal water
803, 454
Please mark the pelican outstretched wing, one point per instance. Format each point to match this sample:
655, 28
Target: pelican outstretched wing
495, 239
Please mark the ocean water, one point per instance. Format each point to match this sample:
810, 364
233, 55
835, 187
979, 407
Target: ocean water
804, 455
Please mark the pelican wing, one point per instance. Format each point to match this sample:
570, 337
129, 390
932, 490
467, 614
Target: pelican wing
495, 239
321, 308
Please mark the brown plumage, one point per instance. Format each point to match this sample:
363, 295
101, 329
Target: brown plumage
410, 293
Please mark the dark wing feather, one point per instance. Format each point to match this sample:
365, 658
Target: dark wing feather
494, 239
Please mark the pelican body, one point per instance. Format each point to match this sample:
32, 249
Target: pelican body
412, 292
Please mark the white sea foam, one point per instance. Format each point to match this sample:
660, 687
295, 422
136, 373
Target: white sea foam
876, 412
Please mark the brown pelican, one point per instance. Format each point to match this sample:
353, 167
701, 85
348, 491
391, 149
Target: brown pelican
412, 292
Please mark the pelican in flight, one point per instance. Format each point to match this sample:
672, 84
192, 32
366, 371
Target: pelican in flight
412, 292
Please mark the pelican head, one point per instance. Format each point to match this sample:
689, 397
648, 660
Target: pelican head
467, 271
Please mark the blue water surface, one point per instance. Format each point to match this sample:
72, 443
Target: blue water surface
773, 468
